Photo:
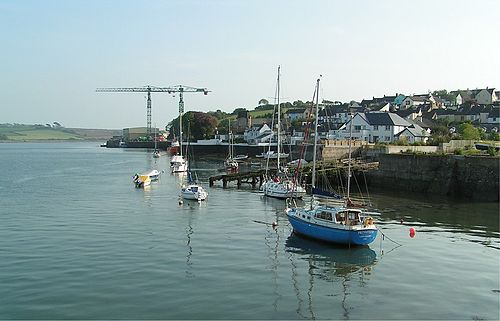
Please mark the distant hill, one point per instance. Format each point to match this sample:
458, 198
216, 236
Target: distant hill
22, 132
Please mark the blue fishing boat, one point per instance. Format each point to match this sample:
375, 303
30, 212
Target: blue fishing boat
336, 224
339, 224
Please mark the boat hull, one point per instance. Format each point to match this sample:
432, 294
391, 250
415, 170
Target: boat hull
154, 175
199, 195
283, 190
141, 181
333, 235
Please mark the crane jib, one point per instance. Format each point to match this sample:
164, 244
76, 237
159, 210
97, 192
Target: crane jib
149, 89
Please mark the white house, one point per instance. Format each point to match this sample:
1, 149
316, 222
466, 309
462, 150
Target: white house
415, 100
413, 134
258, 134
486, 96
372, 127
334, 115
294, 114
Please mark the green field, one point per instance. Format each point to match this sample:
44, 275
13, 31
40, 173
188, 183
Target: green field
19, 132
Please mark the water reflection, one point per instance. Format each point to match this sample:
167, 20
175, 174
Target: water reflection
189, 233
328, 263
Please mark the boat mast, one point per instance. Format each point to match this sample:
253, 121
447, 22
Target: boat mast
349, 160
156, 137
279, 118
181, 110
230, 156
313, 180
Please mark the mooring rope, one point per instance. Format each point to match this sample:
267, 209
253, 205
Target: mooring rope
385, 236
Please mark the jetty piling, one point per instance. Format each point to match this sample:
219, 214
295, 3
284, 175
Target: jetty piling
240, 178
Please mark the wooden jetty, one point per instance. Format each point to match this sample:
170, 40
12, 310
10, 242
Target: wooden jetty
249, 177
257, 177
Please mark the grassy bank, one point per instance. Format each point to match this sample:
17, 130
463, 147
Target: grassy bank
20, 132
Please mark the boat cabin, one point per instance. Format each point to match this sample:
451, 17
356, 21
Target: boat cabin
349, 216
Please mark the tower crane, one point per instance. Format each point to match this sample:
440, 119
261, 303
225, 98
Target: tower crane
149, 89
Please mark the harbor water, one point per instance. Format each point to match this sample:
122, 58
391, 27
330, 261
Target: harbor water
78, 241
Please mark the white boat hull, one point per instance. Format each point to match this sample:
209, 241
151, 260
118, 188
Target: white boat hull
154, 175
194, 192
283, 190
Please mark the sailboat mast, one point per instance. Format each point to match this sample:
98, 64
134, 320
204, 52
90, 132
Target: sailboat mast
313, 180
229, 134
181, 110
156, 137
279, 117
349, 160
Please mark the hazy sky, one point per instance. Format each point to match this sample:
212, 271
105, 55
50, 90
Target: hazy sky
54, 54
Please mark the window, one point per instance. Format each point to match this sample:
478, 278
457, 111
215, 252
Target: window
387, 127
375, 127
357, 127
324, 215
387, 138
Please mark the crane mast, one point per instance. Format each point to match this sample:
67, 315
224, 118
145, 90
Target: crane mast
150, 89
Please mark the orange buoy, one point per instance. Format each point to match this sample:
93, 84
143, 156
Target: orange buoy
412, 232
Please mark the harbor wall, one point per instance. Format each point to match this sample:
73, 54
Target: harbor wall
473, 178
222, 150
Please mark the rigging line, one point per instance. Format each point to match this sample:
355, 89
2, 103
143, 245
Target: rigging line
385, 236
366, 187
272, 131
359, 187
306, 135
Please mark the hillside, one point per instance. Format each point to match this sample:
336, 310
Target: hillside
21, 132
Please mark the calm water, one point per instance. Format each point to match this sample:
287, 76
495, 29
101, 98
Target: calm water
78, 241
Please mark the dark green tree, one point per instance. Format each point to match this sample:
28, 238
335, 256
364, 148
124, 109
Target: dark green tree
468, 131
201, 125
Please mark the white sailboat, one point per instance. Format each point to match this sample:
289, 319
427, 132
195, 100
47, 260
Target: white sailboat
156, 152
338, 223
192, 190
178, 164
230, 163
280, 186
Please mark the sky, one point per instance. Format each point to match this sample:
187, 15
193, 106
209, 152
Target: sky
54, 54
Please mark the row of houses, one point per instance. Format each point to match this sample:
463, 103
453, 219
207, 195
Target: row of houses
370, 127
385, 119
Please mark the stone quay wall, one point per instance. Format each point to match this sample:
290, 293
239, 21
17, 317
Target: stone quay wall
472, 177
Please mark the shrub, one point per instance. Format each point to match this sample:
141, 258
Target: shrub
492, 151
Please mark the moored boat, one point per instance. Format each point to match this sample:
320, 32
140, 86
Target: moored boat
180, 165
240, 158
174, 148
194, 192
154, 175
231, 164
141, 181
272, 155
283, 189
338, 223
280, 186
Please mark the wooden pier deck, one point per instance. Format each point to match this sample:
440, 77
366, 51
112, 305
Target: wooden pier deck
253, 178
257, 177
